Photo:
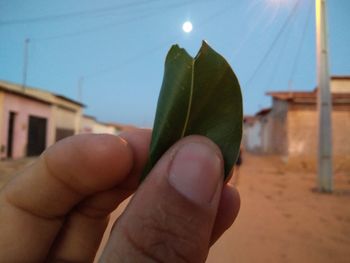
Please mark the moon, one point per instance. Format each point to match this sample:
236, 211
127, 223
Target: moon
187, 27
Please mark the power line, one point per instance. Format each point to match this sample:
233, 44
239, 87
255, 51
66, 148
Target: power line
284, 26
280, 56
70, 15
116, 24
218, 13
302, 40
156, 48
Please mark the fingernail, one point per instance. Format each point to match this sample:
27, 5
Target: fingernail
195, 172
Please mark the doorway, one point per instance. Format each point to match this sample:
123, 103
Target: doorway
36, 136
10, 134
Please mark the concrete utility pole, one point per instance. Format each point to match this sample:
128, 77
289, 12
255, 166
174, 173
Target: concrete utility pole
324, 101
25, 63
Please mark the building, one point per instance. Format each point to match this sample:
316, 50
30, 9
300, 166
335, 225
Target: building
290, 128
32, 119
255, 132
89, 124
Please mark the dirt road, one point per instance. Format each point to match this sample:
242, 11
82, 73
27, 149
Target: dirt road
281, 218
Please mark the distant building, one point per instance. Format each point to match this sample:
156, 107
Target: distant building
32, 119
89, 124
255, 132
290, 128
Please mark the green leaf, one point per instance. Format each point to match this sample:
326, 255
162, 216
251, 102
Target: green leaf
200, 96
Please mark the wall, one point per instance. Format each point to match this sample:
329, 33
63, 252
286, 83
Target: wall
87, 124
252, 139
303, 130
91, 125
341, 130
278, 141
340, 85
265, 134
102, 128
66, 120
23, 108
2, 129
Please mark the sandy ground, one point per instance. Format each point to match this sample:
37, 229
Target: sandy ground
281, 218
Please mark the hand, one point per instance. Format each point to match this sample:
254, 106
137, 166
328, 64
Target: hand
58, 208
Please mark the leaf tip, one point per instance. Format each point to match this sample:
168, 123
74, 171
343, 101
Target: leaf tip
205, 43
205, 48
176, 51
174, 48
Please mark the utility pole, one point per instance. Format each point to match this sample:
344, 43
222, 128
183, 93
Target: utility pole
324, 101
25, 63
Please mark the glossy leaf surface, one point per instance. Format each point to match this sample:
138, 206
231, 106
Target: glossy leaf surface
200, 96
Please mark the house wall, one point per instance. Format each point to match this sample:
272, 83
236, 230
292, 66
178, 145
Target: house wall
265, 133
90, 125
66, 121
68, 109
340, 85
303, 130
23, 108
277, 141
102, 128
341, 130
252, 137
2, 129
87, 125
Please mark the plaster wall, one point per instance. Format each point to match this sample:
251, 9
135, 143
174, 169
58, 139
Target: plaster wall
23, 108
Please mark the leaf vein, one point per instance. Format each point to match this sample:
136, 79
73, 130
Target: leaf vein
190, 101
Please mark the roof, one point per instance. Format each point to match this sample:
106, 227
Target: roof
28, 96
311, 96
308, 97
341, 77
35, 93
249, 119
69, 100
263, 112
89, 117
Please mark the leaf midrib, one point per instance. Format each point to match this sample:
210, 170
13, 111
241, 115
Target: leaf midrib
190, 101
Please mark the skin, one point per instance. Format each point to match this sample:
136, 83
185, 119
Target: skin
57, 209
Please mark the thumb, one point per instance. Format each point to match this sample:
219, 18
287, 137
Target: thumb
171, 216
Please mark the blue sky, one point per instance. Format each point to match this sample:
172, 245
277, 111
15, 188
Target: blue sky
119, 47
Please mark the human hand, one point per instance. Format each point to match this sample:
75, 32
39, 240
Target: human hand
58, 208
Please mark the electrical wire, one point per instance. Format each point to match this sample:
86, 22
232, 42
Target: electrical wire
280, 56
279, 34
156, 48
113, 25
301, 43
74, 15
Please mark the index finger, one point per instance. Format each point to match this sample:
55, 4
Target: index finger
33, 206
